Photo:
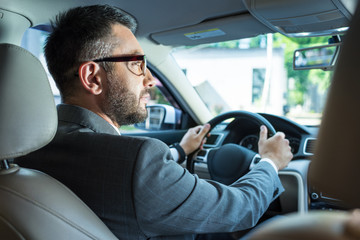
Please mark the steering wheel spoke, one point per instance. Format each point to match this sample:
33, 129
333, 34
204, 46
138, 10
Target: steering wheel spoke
202, 155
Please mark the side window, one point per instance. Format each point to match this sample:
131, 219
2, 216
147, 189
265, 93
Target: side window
34, 40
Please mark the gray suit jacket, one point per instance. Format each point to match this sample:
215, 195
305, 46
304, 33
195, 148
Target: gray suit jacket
136, 188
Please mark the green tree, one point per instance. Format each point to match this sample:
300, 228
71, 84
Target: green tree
302, 78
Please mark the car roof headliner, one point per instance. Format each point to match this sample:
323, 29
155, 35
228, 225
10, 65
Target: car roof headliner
150, 16
167, 22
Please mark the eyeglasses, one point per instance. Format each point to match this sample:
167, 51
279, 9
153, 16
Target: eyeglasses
136, 64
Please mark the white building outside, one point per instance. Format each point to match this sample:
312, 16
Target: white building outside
237, 77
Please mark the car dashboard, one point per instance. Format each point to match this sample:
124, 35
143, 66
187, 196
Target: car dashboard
299, 195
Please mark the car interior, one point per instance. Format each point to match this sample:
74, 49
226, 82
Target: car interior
320, 181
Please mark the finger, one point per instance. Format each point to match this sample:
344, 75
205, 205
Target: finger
280, 135
196, 129
202, 143
263, 133
204, 130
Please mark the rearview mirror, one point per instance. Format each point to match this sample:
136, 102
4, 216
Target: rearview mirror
160, 117
319, 57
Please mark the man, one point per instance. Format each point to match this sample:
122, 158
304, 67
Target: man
132, 183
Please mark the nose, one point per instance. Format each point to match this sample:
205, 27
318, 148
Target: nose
149, 80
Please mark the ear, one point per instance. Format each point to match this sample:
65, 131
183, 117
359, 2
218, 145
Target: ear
91, 78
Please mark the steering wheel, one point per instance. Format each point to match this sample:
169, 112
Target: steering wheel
230, 161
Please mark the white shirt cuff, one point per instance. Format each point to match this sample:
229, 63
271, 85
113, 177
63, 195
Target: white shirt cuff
271, 162
175, 154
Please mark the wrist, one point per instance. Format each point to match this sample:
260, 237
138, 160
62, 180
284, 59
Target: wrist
268, 160
181, 152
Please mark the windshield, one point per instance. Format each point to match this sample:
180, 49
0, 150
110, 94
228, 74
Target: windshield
256, 74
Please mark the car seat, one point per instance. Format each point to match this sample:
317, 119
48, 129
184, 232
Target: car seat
34, 205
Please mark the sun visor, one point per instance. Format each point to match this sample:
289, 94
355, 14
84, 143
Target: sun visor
299, 18
224, 29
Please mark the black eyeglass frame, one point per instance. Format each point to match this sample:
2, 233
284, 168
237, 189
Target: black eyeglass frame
125, 59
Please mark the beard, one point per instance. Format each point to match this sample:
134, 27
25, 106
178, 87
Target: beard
121, 105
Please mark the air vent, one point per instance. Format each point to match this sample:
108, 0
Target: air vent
309, 146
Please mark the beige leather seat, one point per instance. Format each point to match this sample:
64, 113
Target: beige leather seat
33, 205
336, 164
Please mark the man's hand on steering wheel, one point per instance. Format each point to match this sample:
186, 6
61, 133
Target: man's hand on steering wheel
275, 148
194, 138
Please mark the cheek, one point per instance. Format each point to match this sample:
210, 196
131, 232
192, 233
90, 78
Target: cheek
133, 83
136, 87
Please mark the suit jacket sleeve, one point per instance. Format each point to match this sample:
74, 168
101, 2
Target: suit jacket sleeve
171, 201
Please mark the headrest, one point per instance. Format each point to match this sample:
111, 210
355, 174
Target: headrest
28, 118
